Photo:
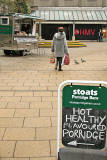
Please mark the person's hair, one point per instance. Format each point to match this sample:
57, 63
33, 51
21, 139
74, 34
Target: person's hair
60, 29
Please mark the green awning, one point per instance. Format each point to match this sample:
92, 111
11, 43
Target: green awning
22, 16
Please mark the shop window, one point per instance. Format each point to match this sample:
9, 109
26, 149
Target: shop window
27, 28
4, 21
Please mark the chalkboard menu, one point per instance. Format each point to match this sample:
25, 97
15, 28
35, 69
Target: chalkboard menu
84, 116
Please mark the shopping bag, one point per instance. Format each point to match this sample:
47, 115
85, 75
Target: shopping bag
66, 59
52, 59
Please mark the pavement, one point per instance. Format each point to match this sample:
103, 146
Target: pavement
28, 98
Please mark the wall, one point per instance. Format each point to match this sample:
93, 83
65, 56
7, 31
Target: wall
104, 3
71, 3
91, 3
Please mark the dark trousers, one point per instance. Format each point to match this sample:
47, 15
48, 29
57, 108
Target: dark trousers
59, 62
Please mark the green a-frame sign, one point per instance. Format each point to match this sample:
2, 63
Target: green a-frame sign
84, 114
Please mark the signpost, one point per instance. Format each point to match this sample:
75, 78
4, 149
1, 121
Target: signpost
84, 115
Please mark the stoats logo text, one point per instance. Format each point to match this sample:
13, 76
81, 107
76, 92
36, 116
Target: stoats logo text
85, 94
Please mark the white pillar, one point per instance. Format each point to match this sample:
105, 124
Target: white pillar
40, 29
73, 37
34, 28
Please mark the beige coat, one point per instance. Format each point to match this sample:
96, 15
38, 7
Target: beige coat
59, 45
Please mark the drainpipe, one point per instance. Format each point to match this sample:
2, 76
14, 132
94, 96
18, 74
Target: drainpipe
73, 37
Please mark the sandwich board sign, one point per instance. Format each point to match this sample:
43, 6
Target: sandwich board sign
84, 114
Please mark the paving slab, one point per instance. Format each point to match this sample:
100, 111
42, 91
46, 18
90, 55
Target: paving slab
32, 149
19, 134
11, 122
14, 158
47, 158
48, 112
7, 112
2, 131
37, 122
7, 148
26, 113
49, 133
15, 105
44, 105
28, 99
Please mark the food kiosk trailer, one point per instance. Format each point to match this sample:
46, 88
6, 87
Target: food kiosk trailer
18, 33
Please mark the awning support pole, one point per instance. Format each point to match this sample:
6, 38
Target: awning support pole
40, 29
73, 37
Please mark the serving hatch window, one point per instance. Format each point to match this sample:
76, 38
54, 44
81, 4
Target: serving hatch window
4, 20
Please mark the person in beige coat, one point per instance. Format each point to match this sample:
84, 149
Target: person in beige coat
59, 47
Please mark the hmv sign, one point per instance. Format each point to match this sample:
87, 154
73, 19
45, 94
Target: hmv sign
86, 32
84, 116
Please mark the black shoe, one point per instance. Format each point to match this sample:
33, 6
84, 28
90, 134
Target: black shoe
55, 68
60, 70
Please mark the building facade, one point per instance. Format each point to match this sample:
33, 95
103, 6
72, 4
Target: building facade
79, 23
70, 3
81, 19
